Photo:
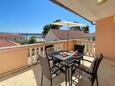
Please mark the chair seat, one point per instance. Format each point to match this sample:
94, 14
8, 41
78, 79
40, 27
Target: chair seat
83, 74
87, 63
86, 66
56, 70
89, 71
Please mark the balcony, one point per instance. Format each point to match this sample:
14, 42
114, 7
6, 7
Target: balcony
19, 66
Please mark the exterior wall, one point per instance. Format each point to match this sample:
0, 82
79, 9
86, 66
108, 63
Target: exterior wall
105, 37
51, 37
13, 58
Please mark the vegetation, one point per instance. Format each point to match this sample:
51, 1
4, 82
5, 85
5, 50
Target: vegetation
75, 28
32, 40
46, 28
85, 29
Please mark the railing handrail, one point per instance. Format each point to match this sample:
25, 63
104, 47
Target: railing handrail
40, 44
25, 55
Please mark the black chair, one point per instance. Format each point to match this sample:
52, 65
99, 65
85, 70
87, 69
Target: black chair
49, 72
79, 48
90, 73
49, 50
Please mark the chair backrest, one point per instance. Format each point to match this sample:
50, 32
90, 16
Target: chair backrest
45, 66
49, 50
48, 46
79, 48
97, 63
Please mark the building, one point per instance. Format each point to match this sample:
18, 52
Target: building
6, 43
12, 37
55, 34
39, 37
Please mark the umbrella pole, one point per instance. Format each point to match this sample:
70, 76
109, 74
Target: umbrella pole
67, 36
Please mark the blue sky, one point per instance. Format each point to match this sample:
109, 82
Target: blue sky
32, 15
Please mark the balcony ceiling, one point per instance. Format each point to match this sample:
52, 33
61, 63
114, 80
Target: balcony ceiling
89, 8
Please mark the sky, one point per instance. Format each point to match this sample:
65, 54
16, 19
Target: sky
20, 16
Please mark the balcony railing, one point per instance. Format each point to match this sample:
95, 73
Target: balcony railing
12, 58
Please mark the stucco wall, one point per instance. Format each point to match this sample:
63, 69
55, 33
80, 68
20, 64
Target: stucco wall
105, 37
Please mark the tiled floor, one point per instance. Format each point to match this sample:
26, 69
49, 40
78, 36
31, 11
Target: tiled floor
31, 77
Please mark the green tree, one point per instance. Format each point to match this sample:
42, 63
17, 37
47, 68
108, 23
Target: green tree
85, 29
46, 28
75, 28
32, 40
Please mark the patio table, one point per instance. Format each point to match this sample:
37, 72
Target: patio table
67, 61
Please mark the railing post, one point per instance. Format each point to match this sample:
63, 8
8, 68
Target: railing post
30, 52
43, 53
35, 56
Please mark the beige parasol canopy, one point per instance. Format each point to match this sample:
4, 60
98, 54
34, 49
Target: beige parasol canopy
67, 23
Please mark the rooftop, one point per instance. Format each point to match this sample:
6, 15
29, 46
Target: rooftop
72, 34
7, 35
6, 43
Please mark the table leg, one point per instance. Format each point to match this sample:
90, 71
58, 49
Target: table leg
68, 76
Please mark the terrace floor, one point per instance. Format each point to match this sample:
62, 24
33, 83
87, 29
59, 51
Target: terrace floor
31, 77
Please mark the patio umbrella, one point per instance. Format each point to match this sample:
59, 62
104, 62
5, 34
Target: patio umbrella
68, 24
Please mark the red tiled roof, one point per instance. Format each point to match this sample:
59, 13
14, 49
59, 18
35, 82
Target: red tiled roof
72, 34
6, 43
2, 35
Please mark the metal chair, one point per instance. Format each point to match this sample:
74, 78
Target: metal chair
49, 72
79, 48
90, 73
49, 50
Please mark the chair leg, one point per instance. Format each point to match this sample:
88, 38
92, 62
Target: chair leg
97, 80
91, 83
42, 79
71, 76
51, 83
65, 77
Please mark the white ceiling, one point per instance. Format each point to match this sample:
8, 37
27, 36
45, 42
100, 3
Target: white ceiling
88, 8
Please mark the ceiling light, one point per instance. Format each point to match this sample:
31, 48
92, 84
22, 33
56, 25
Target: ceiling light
101, 1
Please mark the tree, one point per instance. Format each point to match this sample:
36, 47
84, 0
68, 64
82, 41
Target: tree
32, 40
85, 29
46, 28
75, 28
